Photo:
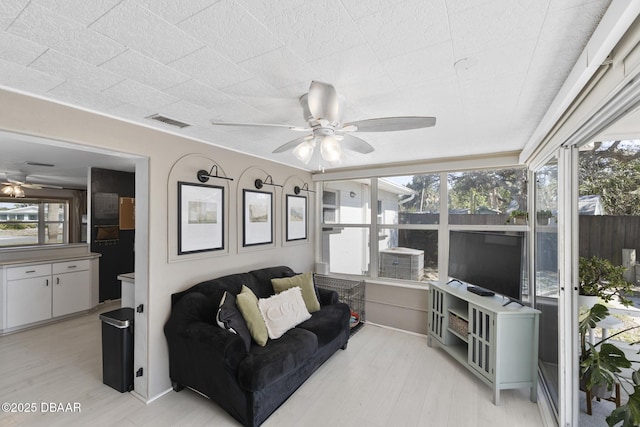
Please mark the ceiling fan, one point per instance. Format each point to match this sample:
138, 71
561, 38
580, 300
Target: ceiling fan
15, 184
322, 109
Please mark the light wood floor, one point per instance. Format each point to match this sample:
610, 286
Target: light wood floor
384, 378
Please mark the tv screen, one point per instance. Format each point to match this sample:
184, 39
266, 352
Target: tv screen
491, 260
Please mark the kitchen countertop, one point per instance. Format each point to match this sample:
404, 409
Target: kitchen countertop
127, 277
48, 258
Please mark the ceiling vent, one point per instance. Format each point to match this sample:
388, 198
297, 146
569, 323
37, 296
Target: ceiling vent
46, 165
168, 121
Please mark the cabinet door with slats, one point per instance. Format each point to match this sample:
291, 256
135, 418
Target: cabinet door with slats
481, 337
437, 325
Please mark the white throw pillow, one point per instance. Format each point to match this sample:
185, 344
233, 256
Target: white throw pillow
283, 311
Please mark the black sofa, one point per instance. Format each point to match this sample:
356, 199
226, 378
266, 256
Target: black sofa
249, 385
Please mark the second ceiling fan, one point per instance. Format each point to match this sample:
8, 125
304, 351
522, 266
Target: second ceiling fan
15, 182
322, 109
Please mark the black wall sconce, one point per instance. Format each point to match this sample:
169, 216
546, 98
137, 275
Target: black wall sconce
297, 189
267, 181
203, 175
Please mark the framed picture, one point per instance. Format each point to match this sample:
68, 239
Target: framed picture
200, 218
257, 215
296, 217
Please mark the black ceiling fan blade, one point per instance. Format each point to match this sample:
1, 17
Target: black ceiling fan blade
324, 102
387, 124
356, 144
292, 144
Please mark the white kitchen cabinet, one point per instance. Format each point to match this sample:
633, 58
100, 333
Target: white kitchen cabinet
71, 287
30, 297
34, 293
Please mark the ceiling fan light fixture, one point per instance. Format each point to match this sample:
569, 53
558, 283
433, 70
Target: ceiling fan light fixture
13, 191
304, 151
18, 191
322, 109
330, 149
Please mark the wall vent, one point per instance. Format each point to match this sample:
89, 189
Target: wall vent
168, 121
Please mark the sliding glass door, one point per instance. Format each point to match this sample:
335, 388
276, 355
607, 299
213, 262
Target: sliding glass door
546, 280
554, 279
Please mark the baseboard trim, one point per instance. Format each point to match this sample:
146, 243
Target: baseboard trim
139, 397
154, 398
395, 329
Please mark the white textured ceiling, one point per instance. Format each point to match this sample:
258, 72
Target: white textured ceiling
250, 60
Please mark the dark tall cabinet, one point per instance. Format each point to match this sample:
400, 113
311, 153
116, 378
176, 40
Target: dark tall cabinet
116, 244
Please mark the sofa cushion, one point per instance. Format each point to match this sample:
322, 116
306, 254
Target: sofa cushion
329, 322
247, 303
305, 283
261, 285
230, 318
283, 311
216, 287
279, 358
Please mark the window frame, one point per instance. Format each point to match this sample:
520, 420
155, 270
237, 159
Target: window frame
41, 222
443, 228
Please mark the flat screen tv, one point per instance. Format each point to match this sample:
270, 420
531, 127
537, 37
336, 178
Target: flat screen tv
491, 260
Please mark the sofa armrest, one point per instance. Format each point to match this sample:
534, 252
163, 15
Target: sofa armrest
327, 296
192, 336
217, 344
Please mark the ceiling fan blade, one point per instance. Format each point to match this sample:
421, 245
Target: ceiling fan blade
386, 124
290, 127
31, 185
324, 102
356, 144
34, 186
292, 144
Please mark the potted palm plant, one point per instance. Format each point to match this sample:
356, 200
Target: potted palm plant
601, 366
599, 278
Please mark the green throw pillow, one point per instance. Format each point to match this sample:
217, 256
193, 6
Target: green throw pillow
247, 303
305, 283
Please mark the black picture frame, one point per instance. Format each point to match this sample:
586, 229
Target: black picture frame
257, 218
201, 218
296, 224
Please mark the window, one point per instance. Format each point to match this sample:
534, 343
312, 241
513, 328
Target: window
609, 178
33, 222
346, 202
395, 223
486, 197
408, 247
330, 206
346, 227
348, 249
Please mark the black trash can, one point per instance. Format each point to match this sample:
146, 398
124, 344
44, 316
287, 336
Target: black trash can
117, 349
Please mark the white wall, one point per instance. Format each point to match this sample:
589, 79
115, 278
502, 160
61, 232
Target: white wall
403, 307
166, 275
